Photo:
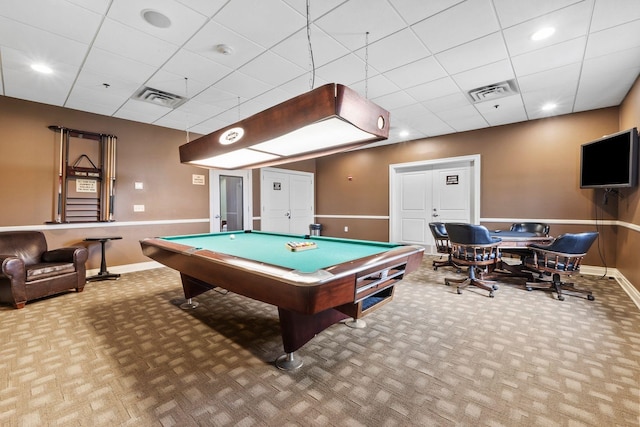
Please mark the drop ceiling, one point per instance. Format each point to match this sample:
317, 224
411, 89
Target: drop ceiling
227, 60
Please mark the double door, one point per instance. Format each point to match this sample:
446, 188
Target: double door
287, 201
430, 194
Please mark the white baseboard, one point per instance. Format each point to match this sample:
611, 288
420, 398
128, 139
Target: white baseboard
631, 290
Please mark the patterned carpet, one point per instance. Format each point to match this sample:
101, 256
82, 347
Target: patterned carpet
123, 354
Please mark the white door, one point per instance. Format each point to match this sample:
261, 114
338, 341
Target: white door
434, 191
230, 200
287, 199
451, 195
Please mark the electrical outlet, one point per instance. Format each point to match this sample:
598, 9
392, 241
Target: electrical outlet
138, 185
346, 229
138, 208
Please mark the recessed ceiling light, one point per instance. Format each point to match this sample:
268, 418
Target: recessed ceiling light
549, 106
543, 33
403, 133
155, 18
41, 68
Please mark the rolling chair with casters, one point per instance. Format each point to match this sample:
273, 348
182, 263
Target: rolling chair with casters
473, 246
559, 259
443, 246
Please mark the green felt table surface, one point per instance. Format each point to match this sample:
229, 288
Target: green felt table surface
270, 248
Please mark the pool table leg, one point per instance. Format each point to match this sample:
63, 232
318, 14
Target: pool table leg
297, 329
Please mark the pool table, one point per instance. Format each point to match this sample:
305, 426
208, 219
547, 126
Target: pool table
313, 289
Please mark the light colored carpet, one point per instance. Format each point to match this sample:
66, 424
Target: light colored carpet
123, 354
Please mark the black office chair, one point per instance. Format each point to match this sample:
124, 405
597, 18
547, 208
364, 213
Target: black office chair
473, 246
442, 245
539, 228
561, 258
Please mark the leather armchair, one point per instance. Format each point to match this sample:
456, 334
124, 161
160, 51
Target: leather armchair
31, 271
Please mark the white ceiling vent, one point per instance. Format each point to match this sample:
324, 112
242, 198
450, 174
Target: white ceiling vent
159, 97
493, 91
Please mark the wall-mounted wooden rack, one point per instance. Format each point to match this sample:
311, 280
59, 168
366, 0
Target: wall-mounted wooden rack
86, 176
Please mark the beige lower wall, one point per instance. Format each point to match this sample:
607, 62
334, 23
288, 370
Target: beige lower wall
118, 252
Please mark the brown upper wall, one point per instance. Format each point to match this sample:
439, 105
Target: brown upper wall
145, 153
528, 170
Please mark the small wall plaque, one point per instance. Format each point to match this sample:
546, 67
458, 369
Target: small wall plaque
452, 179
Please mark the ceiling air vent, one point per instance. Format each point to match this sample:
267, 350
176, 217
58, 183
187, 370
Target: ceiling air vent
493, 91
159, 97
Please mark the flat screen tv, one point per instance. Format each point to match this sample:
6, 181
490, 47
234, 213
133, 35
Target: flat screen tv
611, 161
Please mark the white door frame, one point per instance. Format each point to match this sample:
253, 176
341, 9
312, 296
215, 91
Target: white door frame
214, 197
395, 169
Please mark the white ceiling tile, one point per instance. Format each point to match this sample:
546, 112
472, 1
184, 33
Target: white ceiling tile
604, 68
41, 46
474, 54
208, 126
271, 68
394, 100
114, 37
413, 11
302, 84
608, 13
184, 20
213, 34
549, 57
316, 8
206, 7
282, 20
241, 85
415, 73
98, 6
97, 99
141, 111
20, 81
350, 22
346, 70
121, 69
54, 16
489, 74
460, 24
179, 118
90, 93
196, 67
435, 89
394, 51
618, 38
217, 100
463, 118
570, 22
447, 102
534, 101
503, 111
594, 92
375, 86
512, 12
552, 81
296, 48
